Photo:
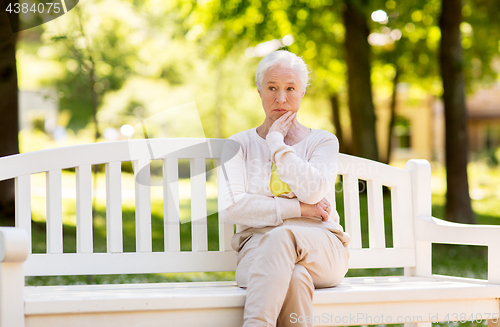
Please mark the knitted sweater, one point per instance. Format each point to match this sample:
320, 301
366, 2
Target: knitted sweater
309, 167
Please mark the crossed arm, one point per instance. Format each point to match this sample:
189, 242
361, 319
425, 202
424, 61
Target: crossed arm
309, 180
239, 207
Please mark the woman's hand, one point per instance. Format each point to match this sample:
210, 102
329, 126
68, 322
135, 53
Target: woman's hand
283, 123
322, 208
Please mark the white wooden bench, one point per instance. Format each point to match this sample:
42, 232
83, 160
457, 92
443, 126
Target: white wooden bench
417, 297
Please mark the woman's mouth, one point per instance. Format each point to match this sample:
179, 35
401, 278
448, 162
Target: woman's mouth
280, 110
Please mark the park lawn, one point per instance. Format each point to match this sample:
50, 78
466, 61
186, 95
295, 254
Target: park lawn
457, 260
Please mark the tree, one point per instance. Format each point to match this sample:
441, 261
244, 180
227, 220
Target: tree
480, 35
334, 101
405, 48
359, 79
9, 142
96, 59
318, 37
458, 206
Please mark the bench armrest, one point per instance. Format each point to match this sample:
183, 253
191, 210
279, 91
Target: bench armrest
433, 230
441, 231
14, 249
430, 230
14, 244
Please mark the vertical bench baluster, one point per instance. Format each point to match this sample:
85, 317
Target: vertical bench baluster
402, 223
84, 242
54, 212
114, 233
351, 208
142, 179
171, 204
226, 230
198, 205
23, 204
376, 233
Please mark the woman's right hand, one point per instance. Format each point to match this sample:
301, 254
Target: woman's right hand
283, 123
322, 209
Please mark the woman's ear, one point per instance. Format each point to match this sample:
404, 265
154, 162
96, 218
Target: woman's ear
258, 89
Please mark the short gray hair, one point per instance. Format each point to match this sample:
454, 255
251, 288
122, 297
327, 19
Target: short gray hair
282, 58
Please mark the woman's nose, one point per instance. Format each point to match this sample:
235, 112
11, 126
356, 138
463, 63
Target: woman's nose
280, 97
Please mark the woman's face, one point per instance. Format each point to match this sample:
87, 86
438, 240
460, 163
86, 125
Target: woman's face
281, 91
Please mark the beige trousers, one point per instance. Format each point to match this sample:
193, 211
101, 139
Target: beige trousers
281, 269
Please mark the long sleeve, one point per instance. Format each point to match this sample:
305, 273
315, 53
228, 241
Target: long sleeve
238, 206
310, 180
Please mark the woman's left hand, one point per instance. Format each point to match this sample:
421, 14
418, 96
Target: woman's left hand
321, 209
283, 123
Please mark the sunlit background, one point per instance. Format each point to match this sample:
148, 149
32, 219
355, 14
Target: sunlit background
131, 60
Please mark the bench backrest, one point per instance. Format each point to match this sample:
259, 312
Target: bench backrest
172, 259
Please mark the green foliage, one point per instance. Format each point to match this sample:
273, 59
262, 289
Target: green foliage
112, 40
158, 55
91, 42
412, 44
480, 35
315, 26
318, 31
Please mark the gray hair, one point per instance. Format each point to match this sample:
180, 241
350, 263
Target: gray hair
282, 58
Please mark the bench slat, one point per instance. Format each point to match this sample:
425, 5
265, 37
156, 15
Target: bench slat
54, 211
402, 222
226, 230
198, 205
128, 263
366, 169
23, 204
351, 208
184, 261
209, 295
114, 234
171, 204
220, 304
142, 206
104, 152
381, 258
84, 243
376, 233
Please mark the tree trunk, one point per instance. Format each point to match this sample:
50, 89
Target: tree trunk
458, 206
393, 115
334, 100
360, 91
218, 103
94, 97
9, 125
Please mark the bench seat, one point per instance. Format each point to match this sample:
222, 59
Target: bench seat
351, 303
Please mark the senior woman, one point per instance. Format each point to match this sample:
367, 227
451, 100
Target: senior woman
278, 188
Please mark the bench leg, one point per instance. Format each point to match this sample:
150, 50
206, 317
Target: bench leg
14, 249
11, 294
421, 324
494, 323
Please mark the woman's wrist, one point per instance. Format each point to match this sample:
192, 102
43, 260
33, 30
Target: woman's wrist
314, 210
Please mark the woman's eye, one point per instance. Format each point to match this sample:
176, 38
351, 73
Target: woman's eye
272, 88
291, 88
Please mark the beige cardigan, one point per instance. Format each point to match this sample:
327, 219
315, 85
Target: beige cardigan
308, 167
